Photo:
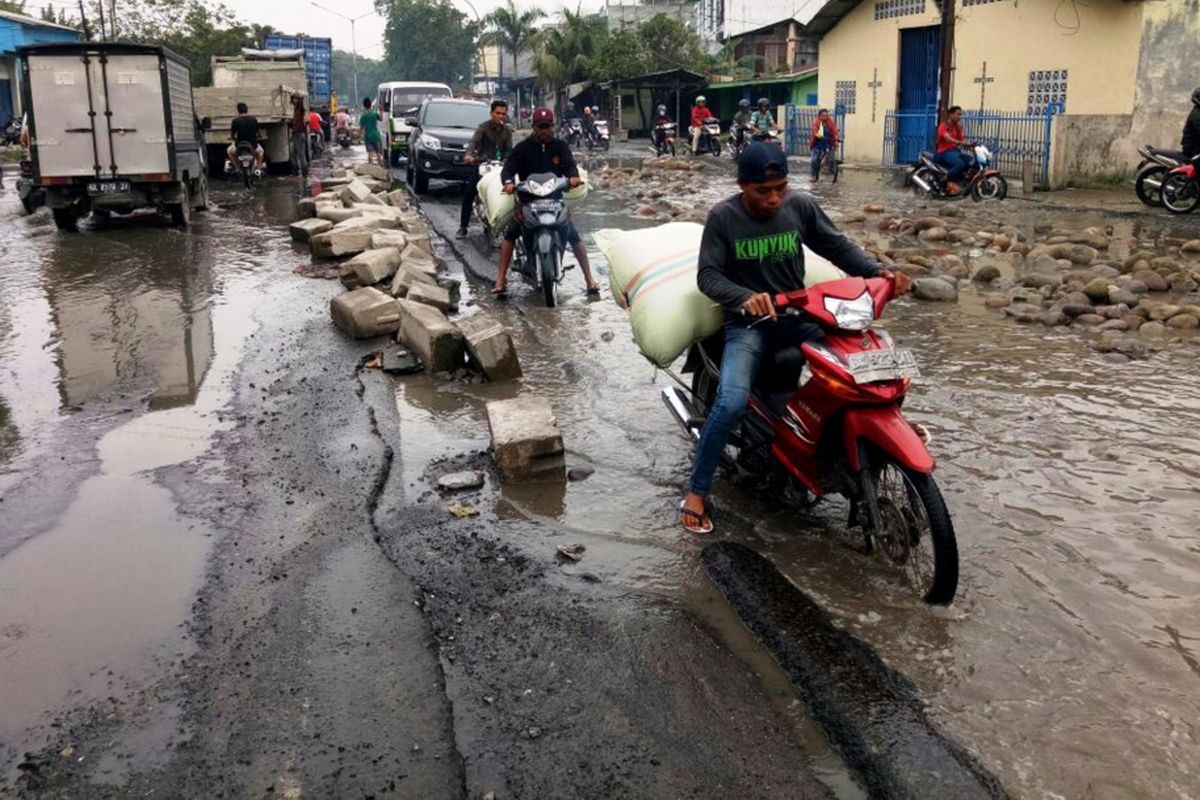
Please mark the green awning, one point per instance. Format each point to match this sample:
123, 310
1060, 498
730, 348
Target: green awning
797, 78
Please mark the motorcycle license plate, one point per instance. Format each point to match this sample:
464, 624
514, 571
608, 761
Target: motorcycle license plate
108, 187
882, 365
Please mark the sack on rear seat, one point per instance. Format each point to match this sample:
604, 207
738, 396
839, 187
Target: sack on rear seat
652, 274
499, 207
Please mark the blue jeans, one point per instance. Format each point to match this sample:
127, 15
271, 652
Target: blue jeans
744, 351
818, 152
954, 161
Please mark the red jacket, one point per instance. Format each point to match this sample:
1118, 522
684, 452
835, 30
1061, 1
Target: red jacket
699, 114
831, 132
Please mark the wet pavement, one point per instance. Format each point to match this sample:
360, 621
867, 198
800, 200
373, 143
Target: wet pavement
208, 521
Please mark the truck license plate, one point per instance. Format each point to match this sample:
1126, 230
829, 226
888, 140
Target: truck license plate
882, 365
108, 187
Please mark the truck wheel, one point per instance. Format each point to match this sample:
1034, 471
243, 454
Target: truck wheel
181, 212
66, 220
202, 194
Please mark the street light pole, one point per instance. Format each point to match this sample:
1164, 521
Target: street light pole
353, 44
487, 81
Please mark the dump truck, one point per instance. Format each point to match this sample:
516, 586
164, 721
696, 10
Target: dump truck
113, 128
264, 80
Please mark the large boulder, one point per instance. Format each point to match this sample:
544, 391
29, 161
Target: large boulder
1097, 290
365, 313
936, 289
435, 339
526, 441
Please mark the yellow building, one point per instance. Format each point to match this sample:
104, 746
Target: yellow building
1122, 71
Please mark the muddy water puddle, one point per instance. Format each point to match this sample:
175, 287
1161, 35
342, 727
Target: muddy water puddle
1069, 661
117, 351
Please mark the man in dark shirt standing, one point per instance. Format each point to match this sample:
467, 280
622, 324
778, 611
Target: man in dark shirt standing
752, 249
541, 153
244, 128
1190, 143
492, 142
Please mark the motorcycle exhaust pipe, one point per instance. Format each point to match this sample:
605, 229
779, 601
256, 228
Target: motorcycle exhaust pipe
1153, 183
919, 181
681, 411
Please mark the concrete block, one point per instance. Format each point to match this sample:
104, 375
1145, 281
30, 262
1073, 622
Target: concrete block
305, 229
413, 222
369, 267
453, 287
431, 295
329, 196
422, 242
337, 243
336, 214
490, 347
526, 442
306, 207
366, 312
371, 222
355, 192
375, 200
376, 186
435, 339
414, 255
389, 238
372, 171
406, 276
398, 198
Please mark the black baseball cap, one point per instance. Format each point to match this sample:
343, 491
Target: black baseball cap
762, 161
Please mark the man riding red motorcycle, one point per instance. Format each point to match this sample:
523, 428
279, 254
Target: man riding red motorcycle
751, 251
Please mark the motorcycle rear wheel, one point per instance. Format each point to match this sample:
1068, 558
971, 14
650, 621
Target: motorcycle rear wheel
1180, 194
917, 535
548, 273
1150, 195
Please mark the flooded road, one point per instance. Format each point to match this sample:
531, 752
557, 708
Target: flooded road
153, 508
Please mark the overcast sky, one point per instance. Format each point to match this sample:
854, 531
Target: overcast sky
300, 16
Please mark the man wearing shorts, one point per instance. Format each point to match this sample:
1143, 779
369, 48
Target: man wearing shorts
540, 153
372, 138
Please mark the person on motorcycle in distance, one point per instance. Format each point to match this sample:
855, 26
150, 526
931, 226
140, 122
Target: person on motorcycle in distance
948, 154
761, 121
1190, 141
700, 112
751, 249
741, 123
660, 118
823, 139
244, 128
589, 122
537, 154
492, 142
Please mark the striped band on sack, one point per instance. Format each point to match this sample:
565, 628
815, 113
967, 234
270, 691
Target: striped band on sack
662, 271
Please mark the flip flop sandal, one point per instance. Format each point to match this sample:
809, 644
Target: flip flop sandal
593, 291
499, 291
696, 524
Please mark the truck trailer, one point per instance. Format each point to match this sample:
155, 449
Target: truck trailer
113, 128
318, 63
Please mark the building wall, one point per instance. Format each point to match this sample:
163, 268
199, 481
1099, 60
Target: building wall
1166, 75
1097, 44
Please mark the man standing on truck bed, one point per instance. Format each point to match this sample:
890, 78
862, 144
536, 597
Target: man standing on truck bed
299, 137
244, 128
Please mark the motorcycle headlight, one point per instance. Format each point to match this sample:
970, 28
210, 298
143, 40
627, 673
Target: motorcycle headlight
429, 142
852, 315
540, 189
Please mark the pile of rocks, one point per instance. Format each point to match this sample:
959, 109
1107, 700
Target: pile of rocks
663, 189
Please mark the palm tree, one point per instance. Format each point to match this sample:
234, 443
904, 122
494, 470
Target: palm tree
512, 30
568, 48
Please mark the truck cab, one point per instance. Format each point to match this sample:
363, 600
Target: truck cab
398, 101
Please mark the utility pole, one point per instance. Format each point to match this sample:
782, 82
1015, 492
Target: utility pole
946, 73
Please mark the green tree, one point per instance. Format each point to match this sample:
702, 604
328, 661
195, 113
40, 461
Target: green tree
428, 40
669, 44
371, 73
512, 30
13, 6
569, 49
621, 56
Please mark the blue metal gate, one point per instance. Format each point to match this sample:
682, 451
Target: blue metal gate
797, 129
920, 61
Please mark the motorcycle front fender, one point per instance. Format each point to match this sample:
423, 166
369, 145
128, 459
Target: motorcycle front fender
886, 428
544, 242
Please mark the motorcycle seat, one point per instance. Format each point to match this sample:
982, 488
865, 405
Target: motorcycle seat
1175, 155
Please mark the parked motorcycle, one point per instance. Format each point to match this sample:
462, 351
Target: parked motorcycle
710, 137
1181, 188
598, 137
980, 181
826, 418
543, 218
32, 196
1156, 163
572, 132
663, 139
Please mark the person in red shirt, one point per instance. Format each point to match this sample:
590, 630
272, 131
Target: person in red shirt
949, 140
700, 112
822, 139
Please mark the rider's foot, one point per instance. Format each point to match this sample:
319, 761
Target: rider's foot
462, 233
499, 290
593, 290
693, 515
953, 188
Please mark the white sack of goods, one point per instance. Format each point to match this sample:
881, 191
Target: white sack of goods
652, 275
498, 207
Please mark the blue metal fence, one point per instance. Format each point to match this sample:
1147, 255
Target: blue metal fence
1012, 136
797, 128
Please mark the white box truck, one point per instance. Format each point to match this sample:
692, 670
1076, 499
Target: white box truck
113, 128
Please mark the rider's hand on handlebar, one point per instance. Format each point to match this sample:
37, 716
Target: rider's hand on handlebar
901, 282
574, 182
760, 305
468, 159
509, 188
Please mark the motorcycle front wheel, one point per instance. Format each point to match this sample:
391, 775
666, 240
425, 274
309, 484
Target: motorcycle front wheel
1149, 185
989, 187
1180, 194
548, 273
715, 146
914, 530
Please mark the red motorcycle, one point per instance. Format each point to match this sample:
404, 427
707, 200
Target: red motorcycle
1181, 188
825, 417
